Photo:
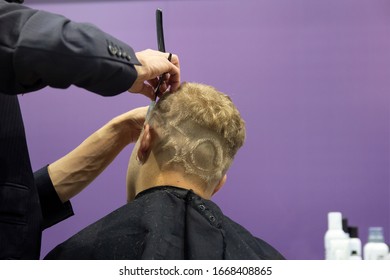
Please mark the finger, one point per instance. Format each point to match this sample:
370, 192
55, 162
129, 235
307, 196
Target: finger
175, 60
163, 88
147, 90
153, 82
174, 79
165, 76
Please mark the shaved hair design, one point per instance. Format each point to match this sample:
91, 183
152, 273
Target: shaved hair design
199, 131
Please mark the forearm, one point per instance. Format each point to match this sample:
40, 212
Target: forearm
73, 172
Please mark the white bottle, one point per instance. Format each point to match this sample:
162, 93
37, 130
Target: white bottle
340, 249
354, 256
375, 249
355, 244
334, 232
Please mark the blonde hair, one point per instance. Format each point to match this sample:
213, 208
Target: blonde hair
199, 130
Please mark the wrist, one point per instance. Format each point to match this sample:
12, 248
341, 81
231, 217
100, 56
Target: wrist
118, 130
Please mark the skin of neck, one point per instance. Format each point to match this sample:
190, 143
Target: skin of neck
147, 173
150, 175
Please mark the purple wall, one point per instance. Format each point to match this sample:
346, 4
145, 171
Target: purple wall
312, 80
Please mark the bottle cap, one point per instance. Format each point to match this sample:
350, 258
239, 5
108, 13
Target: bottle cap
375, 234
334, 220
353, 232
345, 225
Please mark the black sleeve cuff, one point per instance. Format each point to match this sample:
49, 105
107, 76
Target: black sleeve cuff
53, 210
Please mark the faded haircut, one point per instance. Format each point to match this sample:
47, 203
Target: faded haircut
199, 131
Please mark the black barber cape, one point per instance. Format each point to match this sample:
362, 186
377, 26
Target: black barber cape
165, 223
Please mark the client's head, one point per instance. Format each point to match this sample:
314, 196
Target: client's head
189, 141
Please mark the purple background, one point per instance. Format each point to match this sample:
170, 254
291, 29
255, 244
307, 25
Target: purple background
312, 81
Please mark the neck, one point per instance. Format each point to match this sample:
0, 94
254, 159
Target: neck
153, 177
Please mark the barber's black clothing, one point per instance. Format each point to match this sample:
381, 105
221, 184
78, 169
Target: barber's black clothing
39, 49
52, 208
20, 211
20, 214
165, 223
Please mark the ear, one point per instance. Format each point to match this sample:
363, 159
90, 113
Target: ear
220, 184
144, 144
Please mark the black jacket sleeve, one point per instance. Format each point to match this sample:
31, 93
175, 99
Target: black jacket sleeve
53, 210
39, 49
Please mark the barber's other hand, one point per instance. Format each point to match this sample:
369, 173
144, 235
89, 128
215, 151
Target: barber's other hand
73, 172
154, 64
129, 125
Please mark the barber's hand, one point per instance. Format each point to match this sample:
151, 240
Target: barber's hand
154, 64
73, 172
129, 125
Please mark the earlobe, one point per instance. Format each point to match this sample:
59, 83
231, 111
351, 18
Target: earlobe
145, 145
220, 184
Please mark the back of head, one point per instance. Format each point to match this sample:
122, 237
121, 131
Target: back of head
199, 131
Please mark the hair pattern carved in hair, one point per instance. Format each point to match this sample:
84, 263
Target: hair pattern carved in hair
191, 147
198, 129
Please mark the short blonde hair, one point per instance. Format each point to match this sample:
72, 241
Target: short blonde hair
199, 130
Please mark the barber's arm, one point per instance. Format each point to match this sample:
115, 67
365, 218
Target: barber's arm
73, 172
39, 49
69, 175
